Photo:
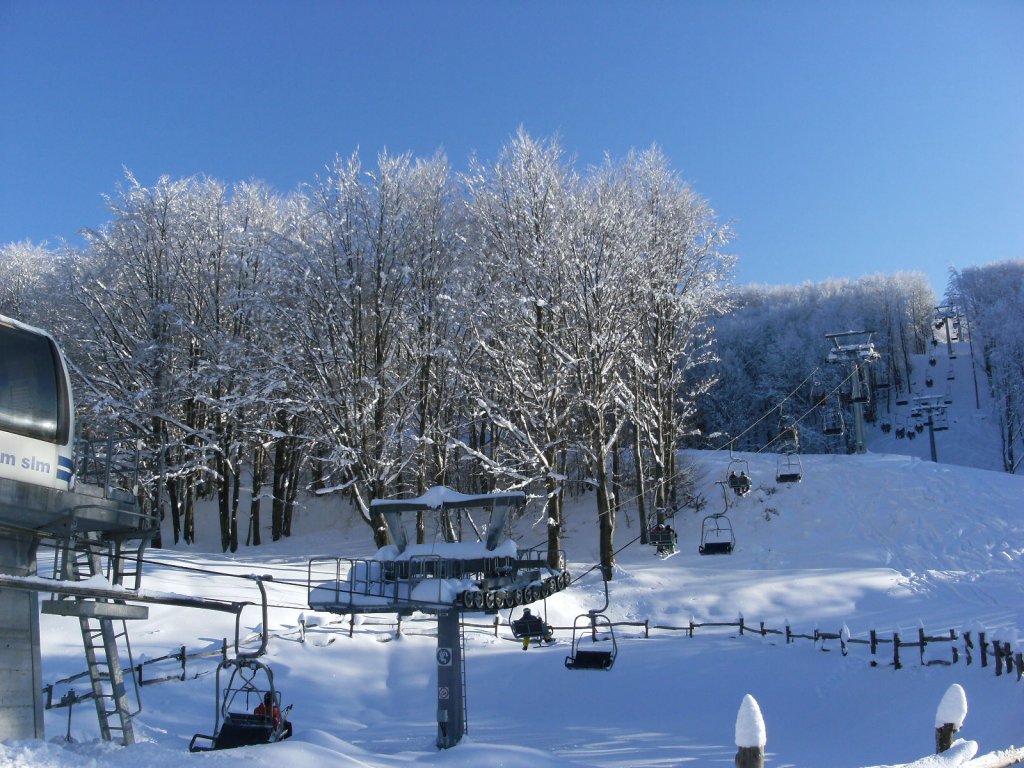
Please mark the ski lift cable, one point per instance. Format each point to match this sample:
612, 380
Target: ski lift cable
770, 411
728, 445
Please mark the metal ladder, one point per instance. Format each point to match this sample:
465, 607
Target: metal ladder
83, 558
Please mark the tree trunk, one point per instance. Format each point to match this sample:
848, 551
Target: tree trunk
605, 516
259, 458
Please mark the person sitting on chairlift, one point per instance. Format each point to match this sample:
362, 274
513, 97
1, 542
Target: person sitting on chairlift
526, 620
662, 548
269, 710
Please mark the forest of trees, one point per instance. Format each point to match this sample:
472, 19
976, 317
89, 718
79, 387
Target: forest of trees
523, 325
387, 329
991, 299
772, 349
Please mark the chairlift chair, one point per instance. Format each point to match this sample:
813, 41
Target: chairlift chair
716, 535
789, 468
738, 475
902, 400
833, 422
529, 626
249, 708
789, 436
588, 631
664, 537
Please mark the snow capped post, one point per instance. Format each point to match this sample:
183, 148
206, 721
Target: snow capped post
750, 735
949, 717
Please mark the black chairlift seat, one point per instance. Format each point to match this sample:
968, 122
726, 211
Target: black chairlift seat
716, 536
590, 660
243, 729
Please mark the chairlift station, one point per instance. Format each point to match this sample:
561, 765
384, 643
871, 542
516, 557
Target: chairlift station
74, 499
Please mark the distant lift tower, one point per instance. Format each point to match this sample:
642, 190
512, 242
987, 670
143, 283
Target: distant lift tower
855, 349
943, 316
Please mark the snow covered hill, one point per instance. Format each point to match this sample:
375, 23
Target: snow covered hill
881, 541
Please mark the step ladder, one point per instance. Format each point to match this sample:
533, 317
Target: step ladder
81, 558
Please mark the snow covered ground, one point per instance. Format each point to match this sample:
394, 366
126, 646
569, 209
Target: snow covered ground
879, 541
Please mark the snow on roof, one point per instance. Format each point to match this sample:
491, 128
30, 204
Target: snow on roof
458, 550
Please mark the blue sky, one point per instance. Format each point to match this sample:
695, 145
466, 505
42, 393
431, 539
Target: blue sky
839, 138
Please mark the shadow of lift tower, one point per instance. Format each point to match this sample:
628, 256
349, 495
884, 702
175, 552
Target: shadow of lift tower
447, 578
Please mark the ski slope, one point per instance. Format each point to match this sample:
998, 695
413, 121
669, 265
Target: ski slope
880, 541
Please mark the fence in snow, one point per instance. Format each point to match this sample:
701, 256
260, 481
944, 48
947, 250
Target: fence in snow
885, 649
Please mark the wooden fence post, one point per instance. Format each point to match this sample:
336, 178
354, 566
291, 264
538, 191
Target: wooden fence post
750, 735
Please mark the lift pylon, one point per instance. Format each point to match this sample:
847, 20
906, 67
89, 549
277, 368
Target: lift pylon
855, 349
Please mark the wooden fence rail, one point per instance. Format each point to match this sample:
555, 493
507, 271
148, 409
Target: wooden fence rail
996, 653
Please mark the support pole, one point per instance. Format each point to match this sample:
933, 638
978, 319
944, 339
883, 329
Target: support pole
451, 722
21, 700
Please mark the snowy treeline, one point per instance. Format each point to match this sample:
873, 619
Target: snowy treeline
772, 346
991, 298
385, 329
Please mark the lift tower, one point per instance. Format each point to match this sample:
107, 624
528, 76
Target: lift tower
447, 577
855, 349
943, 315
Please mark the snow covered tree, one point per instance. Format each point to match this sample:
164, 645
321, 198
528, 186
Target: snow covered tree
518, 316
992, 297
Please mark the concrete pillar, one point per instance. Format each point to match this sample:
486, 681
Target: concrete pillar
21, 697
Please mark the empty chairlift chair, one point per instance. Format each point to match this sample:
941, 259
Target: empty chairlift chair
716, 535
789, 468
593, 640
833, 423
